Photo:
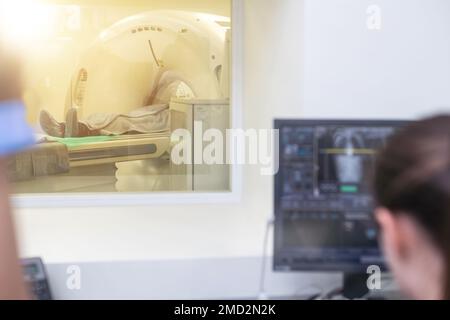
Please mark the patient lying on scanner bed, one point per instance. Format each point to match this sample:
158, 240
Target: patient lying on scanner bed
144, 120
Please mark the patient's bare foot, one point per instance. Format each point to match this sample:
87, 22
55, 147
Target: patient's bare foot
51, 126
72, 123
76, 128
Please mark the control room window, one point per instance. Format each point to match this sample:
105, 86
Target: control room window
106, 83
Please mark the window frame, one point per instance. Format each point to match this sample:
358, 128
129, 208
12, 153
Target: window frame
49, 200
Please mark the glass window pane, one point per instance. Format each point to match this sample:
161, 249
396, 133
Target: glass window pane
106, 85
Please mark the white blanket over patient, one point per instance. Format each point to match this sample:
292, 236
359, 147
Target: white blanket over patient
149, 119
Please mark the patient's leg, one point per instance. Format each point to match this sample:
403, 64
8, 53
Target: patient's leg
75, 128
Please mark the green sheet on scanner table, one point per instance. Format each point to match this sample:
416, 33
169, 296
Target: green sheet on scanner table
76, 142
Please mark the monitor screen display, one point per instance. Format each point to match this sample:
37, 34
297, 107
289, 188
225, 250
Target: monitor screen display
323, 201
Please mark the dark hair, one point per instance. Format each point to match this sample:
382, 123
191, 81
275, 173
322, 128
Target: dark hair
412, 177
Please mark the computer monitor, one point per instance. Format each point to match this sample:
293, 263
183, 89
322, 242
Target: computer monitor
323, 201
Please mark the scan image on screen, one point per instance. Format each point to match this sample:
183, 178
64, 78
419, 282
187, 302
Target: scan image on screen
346, 157
323, 201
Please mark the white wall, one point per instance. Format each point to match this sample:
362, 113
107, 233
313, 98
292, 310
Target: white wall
402, 71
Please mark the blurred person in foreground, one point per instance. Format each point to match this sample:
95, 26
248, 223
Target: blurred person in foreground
15, 135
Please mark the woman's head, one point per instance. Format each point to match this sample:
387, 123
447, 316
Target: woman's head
412, 189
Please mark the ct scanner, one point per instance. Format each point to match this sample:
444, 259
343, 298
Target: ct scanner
142, 59
172, 57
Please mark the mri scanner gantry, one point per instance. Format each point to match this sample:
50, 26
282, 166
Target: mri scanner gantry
150, 58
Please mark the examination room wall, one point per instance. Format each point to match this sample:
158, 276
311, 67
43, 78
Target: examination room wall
312, 58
